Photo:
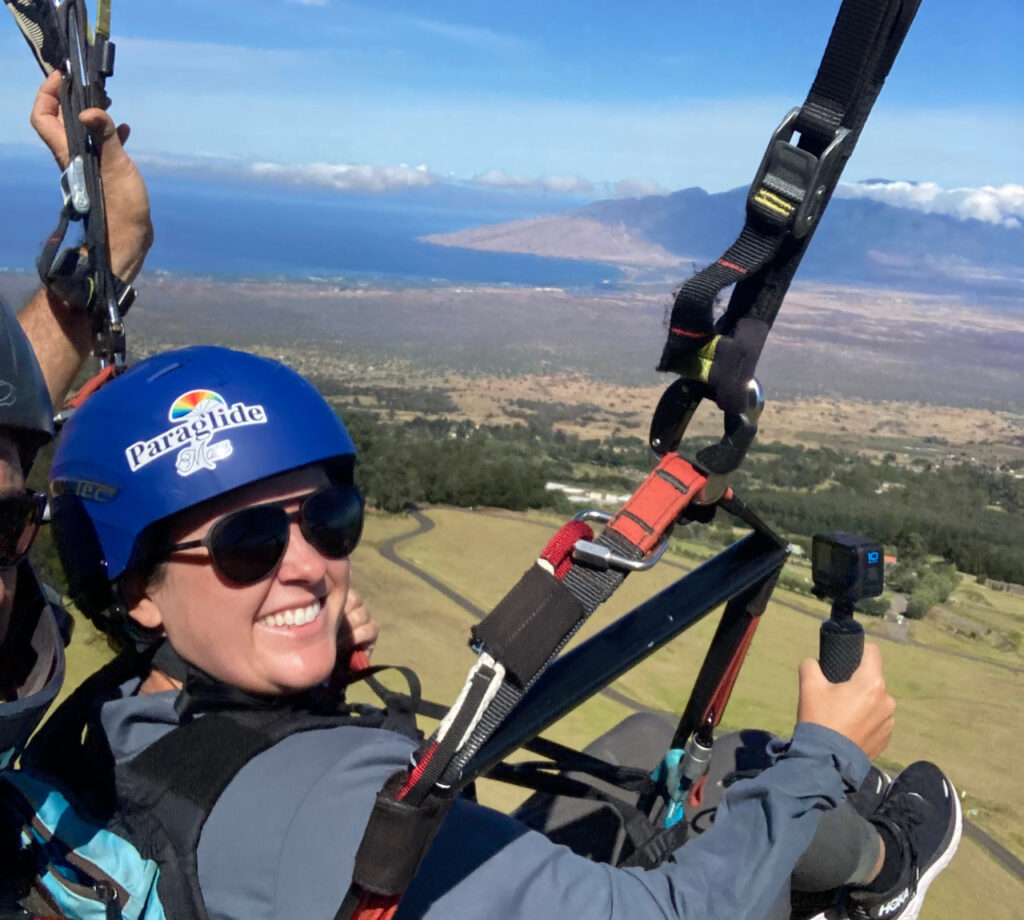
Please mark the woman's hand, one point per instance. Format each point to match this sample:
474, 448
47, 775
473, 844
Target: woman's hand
358, 630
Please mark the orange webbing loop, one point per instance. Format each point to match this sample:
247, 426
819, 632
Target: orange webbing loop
657, 504
375, 907
105, 375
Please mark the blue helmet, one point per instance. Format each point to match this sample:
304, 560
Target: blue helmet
174, 431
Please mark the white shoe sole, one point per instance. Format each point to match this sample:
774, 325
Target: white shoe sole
914, 907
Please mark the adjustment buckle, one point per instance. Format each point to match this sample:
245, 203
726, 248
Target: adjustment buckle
603, 558
789, 182
74, 190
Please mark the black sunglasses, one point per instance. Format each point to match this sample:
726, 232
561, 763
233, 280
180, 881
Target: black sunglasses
247, 545
20, 517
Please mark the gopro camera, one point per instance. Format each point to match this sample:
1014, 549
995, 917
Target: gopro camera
846, 568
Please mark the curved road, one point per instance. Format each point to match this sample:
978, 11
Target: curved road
387, 550
1016, 669
424, 525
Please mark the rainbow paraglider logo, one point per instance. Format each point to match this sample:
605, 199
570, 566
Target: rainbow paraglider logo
198, 401
196, 416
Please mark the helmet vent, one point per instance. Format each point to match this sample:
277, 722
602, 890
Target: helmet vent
163, 370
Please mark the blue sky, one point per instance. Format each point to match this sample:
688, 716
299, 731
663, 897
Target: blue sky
564, 94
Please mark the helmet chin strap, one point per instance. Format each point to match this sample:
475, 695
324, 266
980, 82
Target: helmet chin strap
202, 693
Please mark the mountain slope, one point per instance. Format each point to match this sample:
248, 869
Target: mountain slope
858, 241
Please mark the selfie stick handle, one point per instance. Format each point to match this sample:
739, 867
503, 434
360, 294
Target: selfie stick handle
841, 643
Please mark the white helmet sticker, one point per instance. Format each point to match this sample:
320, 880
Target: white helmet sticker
197, 416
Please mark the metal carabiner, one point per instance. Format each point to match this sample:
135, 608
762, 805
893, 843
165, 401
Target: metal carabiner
601, 557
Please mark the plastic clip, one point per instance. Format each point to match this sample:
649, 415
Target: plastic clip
794, 174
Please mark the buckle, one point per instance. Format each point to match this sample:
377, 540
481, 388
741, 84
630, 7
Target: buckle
601, 557
74, 190
788, 184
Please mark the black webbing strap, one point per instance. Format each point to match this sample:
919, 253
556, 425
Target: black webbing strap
790, 191
555, 614
633, 532
590, 587
81, 275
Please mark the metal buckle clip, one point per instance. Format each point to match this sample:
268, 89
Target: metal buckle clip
74, 190
603, 558
796, 174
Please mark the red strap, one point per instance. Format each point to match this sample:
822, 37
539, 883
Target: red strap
724, 689
91, 386
659, 501
416, 773
696, 797
358, 660
375, 907
558, 552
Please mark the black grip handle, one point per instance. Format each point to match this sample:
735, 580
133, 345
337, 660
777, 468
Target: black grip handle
841, 644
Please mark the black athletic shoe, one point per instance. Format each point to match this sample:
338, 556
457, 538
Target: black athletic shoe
829, 905
868, 799
922, 812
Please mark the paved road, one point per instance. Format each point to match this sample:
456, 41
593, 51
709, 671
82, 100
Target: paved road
424, 525
966, 656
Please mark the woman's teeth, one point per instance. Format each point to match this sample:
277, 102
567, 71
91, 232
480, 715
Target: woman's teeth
296, 617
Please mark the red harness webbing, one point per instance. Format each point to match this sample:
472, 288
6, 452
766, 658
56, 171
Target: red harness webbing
642, 523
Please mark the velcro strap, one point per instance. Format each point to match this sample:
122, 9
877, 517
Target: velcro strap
396, 839
657, 504
529, 624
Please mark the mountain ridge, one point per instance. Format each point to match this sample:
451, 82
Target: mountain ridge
859, 240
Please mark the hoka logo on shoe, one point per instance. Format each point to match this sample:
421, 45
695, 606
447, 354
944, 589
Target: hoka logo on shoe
890, 907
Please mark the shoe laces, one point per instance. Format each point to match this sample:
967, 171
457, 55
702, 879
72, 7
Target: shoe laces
903, 813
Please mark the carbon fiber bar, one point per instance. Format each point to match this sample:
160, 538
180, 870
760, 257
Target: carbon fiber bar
590, 667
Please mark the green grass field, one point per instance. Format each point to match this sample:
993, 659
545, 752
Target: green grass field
964, 714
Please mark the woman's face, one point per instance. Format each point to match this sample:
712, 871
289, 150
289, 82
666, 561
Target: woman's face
238, 634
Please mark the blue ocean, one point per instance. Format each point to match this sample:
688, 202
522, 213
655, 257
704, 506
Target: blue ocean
230, 228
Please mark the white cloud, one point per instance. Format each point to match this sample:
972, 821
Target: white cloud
637, 188
346, 177
559, 185
1002, 205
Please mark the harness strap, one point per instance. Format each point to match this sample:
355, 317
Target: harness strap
790, 191
516, 642
61, 40
550, 603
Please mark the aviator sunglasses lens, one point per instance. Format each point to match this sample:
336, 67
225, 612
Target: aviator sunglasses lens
332, 520
246, 546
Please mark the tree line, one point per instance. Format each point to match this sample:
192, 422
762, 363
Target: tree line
967, 516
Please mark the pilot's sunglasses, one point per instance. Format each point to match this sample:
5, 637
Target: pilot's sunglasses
20, 517
247, 545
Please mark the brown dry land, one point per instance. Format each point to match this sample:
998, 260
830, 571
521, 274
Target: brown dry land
862, 369
564, 238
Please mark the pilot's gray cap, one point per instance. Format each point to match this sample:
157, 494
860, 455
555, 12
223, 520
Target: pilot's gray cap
25, 407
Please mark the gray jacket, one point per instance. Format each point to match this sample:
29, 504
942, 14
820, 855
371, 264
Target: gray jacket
281, 840
19, 717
